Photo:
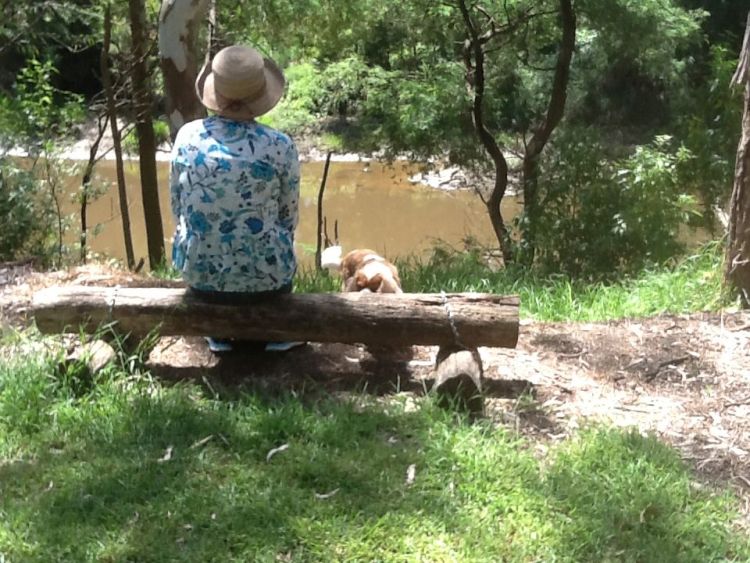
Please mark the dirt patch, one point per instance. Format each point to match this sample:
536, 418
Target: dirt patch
684, 378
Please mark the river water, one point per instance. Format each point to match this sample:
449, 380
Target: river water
376, 207
375, 204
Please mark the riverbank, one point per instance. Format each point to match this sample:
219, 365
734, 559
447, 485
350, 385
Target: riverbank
434, 173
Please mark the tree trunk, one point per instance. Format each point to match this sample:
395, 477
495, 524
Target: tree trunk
555, 111
146, 140
178, 55
473, 319
474, 63
109, 91
88, 171
738, 252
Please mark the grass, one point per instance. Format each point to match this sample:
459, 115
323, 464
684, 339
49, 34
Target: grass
130, 469
693, 283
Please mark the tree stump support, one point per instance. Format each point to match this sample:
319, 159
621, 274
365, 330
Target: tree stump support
458, 378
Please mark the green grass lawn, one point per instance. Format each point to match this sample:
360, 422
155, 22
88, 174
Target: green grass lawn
127, 468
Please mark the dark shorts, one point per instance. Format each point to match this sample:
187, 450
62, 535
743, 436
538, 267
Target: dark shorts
237, 297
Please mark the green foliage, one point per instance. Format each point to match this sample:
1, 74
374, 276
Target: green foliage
307, 100
161, 131
633, 58
39, 115
390, 77
161, 136
299, 109
313, 281
45, 23
421, 113
22, 213
38, 120
44, 30
166, 271
709, 127
601, 216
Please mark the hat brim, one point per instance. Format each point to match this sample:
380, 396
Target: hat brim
247, 108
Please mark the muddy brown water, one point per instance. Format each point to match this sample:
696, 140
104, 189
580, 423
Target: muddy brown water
376, 206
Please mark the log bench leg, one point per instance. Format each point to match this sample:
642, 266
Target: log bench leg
458, 378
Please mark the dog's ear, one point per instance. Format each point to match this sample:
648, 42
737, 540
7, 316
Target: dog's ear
350, 264
360, 280
363, 282
375, 283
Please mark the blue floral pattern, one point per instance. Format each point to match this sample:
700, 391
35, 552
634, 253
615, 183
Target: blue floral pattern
234, 192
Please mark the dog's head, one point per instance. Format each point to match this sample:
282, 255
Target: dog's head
365, 270
378, 277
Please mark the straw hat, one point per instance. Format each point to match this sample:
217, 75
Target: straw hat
240, 83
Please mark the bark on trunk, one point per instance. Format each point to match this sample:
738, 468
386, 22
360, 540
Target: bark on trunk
738, 252
540, 137
474, 63
146, 140
178, 56
109, 90
395, 319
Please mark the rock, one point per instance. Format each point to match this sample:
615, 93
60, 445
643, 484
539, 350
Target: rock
95, 355
451, 178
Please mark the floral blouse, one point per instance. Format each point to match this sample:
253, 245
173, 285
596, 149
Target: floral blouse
234, 188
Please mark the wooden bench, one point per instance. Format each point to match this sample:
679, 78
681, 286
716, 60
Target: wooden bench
456, 322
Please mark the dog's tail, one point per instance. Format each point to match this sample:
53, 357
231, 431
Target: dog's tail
330, 258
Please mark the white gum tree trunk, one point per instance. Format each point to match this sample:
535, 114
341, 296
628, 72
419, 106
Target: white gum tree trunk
178, 46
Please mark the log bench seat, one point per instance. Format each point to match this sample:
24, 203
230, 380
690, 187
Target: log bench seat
456, 322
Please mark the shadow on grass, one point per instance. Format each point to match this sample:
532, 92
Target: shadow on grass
139, 471
626, 497
168, 477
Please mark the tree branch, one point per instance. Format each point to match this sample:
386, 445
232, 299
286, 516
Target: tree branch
559, 93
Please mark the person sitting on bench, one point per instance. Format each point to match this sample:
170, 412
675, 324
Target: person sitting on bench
234, 187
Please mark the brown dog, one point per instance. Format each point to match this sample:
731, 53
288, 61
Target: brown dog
363, 270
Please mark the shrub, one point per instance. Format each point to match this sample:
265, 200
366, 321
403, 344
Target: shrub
601, 215
709, 126
24, 216
302, 105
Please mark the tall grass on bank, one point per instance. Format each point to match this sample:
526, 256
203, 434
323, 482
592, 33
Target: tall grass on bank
130, 469
691, 284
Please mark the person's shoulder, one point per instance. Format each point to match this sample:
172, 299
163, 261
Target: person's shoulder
190, 130
278, 137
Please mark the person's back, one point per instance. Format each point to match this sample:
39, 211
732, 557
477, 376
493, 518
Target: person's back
235, 190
